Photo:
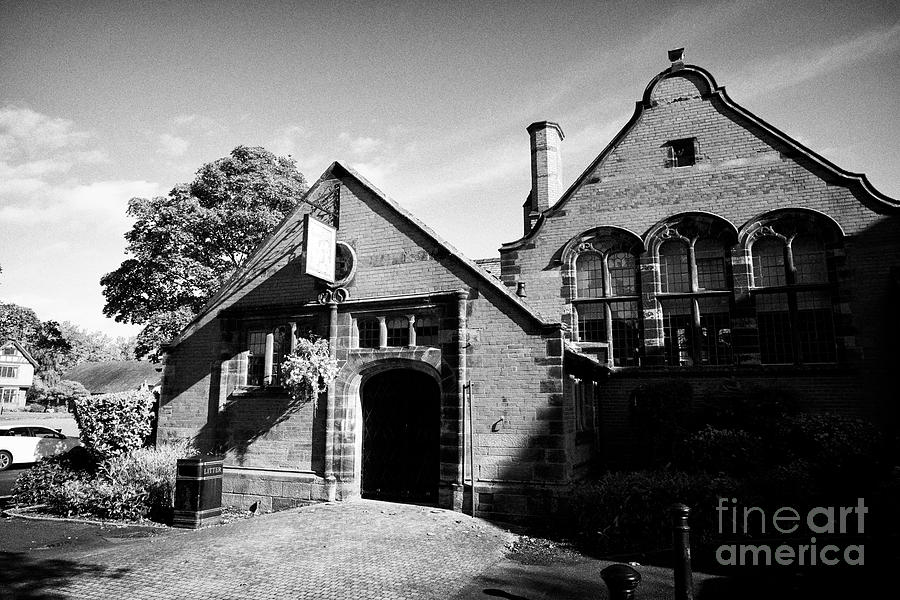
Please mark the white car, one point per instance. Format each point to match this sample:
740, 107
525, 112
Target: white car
31, 443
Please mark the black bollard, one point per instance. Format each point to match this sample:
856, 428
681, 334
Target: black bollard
621, 580
681, 549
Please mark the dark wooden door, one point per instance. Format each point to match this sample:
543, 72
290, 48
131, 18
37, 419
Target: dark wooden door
401, 427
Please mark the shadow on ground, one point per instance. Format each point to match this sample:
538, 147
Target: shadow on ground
26, 577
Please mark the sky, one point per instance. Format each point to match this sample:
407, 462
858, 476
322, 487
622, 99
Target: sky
104, 101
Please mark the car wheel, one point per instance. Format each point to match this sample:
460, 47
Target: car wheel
5, 460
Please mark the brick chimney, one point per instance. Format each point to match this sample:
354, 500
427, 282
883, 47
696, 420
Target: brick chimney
546, 169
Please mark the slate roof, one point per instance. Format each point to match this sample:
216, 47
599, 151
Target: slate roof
115, 375
284, 244
491, 265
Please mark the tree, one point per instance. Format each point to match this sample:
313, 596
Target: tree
185, 245
18, 323
92, 346
61, 394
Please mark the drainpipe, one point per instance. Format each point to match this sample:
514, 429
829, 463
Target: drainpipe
472, 449
330, 479
461, 329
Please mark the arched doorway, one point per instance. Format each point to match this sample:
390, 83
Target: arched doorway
401, 436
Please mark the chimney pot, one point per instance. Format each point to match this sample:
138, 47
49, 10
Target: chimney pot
677, 58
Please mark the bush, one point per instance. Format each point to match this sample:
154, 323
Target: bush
36, 485
663, 415
629, 512
152, 470
730, 451
137, 485
114, 424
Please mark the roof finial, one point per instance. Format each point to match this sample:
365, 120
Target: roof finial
677, 58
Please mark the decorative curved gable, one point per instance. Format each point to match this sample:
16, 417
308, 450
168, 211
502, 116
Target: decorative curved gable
686, 82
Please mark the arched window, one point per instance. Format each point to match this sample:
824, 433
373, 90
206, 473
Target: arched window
674, 272
622, 274
695, 288
607, 301
768, 262
793, 298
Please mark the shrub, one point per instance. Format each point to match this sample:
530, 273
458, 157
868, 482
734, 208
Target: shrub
114, 424
137, 485
730, 451
152, 470
629, 512
662, 413
99, 498
36, 485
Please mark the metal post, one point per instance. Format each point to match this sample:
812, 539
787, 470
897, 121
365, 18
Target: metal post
681, 549
621, 580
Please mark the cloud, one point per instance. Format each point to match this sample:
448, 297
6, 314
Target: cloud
25, 133
172, 145
360, 146
808, 63
99, 202
289, 141
199, 123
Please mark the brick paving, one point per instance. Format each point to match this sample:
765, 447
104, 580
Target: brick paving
362, 549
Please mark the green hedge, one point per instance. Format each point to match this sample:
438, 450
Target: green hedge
114, 424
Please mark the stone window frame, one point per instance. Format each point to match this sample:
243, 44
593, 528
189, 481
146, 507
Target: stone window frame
695, 346
261, 371
583, 396
785, 226
386, 339
605, 242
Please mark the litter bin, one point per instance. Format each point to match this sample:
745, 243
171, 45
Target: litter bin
198, 491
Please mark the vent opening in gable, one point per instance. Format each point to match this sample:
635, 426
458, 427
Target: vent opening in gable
681, 153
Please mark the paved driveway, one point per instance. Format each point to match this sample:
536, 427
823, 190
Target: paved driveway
361, 549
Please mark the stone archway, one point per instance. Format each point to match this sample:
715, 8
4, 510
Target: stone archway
400, 441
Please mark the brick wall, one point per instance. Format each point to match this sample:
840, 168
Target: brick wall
278, 453
741, 172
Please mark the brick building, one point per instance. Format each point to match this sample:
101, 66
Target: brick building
703, 245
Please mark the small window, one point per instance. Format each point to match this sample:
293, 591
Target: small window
369, 333
9, 372
9, 350
681, 153
398, 331
426, 331
256, 356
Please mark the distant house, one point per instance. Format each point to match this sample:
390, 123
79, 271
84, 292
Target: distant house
16, 374
116, 376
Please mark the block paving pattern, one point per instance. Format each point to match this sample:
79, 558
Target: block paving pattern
361, 549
